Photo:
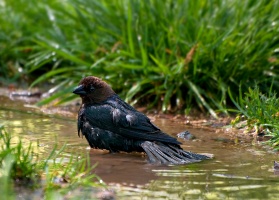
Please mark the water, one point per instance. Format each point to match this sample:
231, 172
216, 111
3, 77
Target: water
239, 170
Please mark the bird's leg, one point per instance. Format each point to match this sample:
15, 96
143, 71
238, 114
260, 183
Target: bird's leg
113, 151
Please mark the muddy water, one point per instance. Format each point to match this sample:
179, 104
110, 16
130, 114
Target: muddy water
238, 171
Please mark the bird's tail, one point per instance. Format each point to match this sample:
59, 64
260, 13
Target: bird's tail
170, 154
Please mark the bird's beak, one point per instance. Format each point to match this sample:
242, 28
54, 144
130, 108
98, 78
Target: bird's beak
79, 90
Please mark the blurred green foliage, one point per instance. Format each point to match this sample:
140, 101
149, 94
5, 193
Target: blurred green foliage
171, 55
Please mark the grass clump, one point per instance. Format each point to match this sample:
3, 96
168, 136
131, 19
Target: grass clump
56, 175
17, 164
261, 114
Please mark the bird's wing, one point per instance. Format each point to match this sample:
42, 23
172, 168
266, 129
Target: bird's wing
121, 118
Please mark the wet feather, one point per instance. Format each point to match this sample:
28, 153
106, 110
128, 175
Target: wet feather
108, 122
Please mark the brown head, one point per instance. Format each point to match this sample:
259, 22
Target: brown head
93, 90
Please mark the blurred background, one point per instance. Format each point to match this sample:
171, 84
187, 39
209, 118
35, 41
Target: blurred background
172, 55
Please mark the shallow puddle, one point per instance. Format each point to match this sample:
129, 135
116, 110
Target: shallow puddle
238, 171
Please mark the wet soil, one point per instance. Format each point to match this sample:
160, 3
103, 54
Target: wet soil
241, 169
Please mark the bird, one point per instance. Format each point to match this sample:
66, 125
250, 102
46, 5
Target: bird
108, 122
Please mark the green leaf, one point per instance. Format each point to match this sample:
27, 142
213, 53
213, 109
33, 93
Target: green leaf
50, 74
200, 98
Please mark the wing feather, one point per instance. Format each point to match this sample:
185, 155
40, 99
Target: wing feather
119, 117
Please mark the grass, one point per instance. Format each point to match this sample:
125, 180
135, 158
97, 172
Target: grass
171, 55
261, 114
56, 176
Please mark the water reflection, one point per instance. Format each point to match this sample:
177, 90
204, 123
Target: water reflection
238, 171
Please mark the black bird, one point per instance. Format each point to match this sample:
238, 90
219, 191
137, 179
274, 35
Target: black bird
107, 122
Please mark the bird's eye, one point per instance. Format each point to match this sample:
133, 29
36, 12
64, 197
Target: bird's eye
91, 88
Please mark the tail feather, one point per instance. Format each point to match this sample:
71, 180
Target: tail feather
169, 154
194, 155
164, 155
188, 154
157, 156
